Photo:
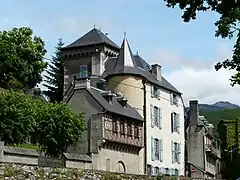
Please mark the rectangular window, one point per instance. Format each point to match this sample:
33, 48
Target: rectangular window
176, 172
174, 99
175, 122
114, 126
122, 129
176, 151
156, 116
156, 171
157, 149
83, 71
136, 131
129, 130
155, 92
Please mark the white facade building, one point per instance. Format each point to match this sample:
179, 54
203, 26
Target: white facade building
164, 148
165, 131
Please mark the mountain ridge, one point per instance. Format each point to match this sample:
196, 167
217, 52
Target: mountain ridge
220, 105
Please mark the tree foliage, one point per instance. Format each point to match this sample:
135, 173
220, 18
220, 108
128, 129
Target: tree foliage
17, 116
53, 126
227, 25
21, 59
58, 128
55, 76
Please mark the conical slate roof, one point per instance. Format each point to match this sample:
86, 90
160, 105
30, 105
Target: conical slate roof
94, 36
127, 63
125, 58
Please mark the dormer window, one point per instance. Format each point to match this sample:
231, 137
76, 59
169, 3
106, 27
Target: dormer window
102, 86
108, 96
155, 92
174, 99
122, 101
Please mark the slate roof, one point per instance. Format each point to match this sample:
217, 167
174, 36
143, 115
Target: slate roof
115, 107
94, 36
141, 68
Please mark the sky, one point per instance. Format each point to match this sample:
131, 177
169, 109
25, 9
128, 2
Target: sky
187, 52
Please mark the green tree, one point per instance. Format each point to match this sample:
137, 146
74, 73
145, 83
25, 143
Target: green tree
55, 76
58, 128
21, 59
227, 25
17, 116
52, 126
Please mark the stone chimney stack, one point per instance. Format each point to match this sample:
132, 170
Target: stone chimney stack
194, 112
156, 71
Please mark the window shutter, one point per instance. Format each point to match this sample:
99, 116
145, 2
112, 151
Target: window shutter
159, 117
178, 123
179, 153
172, 121
158, 93
152, 91
152, 154
162, 170
171, 98
152, 115
173, 152
161, 150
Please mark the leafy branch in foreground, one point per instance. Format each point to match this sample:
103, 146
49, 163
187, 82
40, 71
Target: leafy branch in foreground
227, 26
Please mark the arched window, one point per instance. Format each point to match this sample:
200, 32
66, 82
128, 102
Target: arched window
121, 167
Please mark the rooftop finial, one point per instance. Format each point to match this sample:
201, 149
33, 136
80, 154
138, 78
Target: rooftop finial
137, 52
94, 26
125, 35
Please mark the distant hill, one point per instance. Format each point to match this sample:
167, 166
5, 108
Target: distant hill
216, 106
222, 110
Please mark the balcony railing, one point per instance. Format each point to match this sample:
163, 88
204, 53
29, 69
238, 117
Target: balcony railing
123, 139
211, 149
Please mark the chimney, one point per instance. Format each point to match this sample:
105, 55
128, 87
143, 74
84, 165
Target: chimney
156, 71
194, 112
81, 83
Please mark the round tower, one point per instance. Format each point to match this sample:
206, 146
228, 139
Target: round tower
131, 87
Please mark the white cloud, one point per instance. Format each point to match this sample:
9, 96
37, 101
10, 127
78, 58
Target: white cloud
171, 61
206, 85
82, 25
199, 80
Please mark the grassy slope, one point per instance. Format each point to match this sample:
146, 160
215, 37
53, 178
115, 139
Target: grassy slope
215, 116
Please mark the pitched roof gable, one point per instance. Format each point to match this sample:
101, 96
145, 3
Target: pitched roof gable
94, 36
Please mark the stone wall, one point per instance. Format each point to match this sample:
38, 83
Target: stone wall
20, 172
32, 157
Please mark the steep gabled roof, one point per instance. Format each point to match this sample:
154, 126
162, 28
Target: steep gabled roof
94, 36
115, 107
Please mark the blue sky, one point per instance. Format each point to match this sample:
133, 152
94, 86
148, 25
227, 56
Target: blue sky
155, 31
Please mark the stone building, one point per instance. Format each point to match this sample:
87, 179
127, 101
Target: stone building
94, 56
114, 134
203, 148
